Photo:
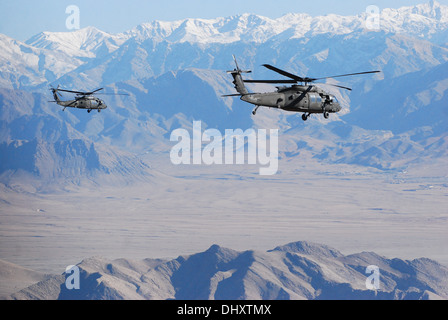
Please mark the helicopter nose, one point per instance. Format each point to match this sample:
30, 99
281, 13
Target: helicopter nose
337, 107
102, 105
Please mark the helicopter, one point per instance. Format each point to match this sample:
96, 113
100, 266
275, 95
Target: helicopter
303, 97
83, 100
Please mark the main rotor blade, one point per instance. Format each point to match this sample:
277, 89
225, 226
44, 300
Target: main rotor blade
335, 85
284, 73
90, 93
71, 104
237, 95
342, 87
114, 94
270, 81
80, 92
346, 75
233, 95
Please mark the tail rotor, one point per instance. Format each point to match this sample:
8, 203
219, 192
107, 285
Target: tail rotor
238, 79
238, 70
56, 94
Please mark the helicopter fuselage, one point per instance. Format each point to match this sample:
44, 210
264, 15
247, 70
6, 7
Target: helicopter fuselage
88, 103
309, 99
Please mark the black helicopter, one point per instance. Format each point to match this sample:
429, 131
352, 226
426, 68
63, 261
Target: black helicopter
303, 97
83, 100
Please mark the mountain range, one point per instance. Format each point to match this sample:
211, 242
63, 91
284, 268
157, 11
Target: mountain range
305, 43
175, 73
296, 271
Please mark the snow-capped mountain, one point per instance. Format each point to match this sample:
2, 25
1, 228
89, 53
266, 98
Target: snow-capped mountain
424, 20
154, 48
428, 21
175, 73
23, 66
88, 42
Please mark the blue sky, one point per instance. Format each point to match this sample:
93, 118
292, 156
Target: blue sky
22, 19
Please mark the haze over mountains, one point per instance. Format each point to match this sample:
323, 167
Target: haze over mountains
335, 175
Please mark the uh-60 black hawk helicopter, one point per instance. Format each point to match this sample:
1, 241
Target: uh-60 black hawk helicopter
83, 100
303, 97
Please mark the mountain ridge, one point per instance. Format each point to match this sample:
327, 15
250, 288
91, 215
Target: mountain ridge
90, 57
257, 28
222, 274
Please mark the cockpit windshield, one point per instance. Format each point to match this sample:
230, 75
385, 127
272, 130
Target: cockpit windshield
334, 99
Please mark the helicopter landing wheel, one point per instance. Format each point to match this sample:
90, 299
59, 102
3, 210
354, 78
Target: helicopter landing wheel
255, 110
99, 110
305, 117
88, 111
326, 115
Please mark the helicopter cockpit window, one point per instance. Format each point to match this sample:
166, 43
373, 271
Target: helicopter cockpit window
334, 99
